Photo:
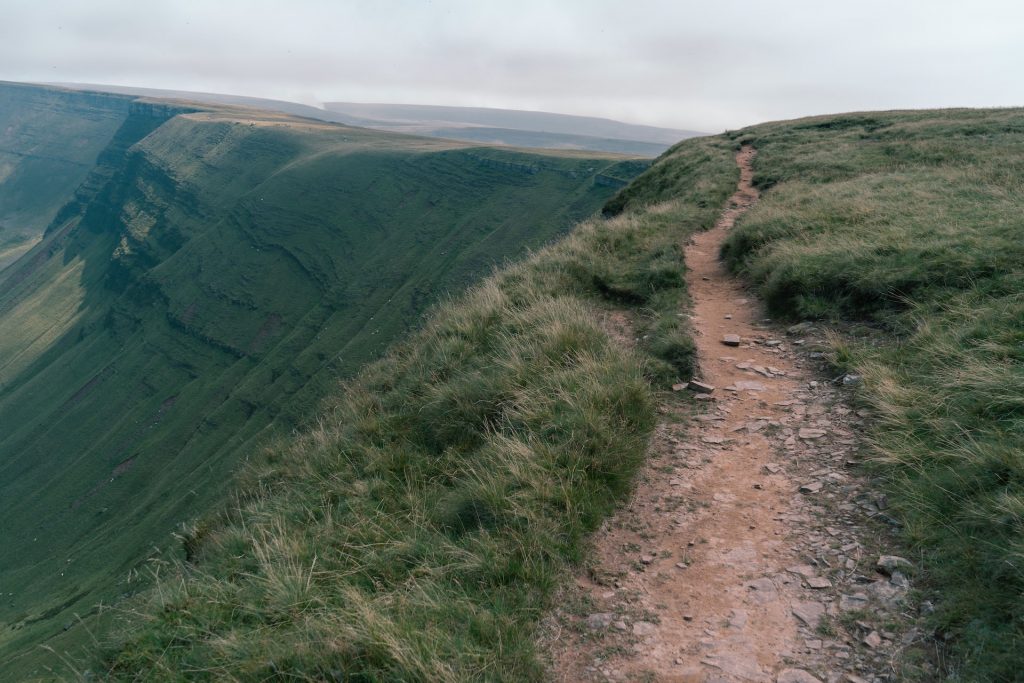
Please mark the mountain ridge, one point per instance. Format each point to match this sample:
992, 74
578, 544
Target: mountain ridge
507, 127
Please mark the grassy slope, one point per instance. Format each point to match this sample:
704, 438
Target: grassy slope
908, 223
417, 531
49, 139
913, 221
214, 276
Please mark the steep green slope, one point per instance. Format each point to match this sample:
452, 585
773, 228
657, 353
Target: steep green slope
49, 140
214, 275
417, 532
913, 222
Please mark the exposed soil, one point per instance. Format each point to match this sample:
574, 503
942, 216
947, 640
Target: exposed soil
748, 551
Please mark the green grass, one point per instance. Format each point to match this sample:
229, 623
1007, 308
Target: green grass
419, 530
913, 223
213, 278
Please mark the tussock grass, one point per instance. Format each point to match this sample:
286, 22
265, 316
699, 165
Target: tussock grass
913, 221
418, 531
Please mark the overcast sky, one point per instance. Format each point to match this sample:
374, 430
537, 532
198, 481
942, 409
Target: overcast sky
707, 65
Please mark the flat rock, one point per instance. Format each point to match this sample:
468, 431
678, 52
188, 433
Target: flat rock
772, 468
886, 592
737, 665
811, 487
731, 340
818, 582
796, 676
852, 602
762, 590
887, 564
799, 328
700, 387
746, 385
738, 618
601, 620
763, 584
804, 570
873, 640
643, 628
809, 433
809, 612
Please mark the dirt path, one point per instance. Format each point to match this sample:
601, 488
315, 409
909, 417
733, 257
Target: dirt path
746, 553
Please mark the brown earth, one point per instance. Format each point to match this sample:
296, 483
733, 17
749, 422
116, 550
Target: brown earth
747, 552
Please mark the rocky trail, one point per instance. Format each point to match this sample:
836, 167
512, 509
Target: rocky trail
752, 548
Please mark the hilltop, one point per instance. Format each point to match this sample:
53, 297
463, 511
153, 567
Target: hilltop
481, 125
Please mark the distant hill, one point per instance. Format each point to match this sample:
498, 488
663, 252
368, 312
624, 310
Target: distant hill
196, 279
534, 121
508, 127
264, 104
514, 127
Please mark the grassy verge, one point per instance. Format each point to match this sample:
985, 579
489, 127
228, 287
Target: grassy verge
418, 530
912, 222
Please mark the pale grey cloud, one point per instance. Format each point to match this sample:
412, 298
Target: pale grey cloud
685, 64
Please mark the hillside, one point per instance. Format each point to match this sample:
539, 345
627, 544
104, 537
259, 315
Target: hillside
421, 530
49, 139
210, 279
418, 530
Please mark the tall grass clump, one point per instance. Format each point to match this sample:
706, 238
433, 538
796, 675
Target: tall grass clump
913, 222
416, 532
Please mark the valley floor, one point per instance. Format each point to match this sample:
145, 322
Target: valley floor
750, 550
